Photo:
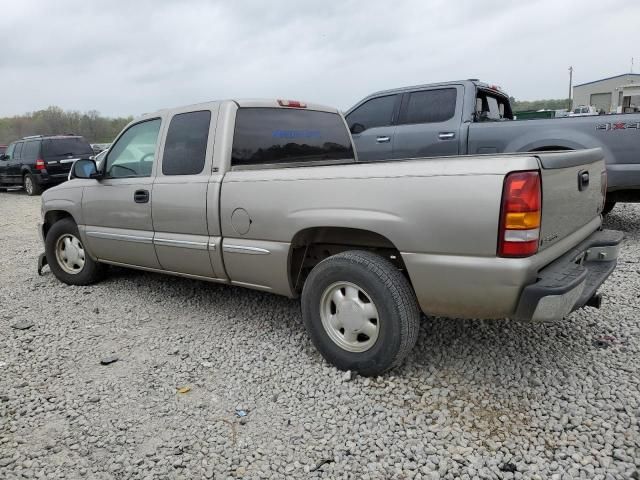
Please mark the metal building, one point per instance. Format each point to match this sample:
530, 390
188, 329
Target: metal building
614, 94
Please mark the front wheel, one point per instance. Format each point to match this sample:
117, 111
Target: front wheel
361, 312
31, 186
66, 256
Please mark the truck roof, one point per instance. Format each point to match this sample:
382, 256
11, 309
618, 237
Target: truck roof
470, 82
252, 102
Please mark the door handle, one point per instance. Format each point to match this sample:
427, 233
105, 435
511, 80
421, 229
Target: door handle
383, 139
141, 196
583, 180
446, 135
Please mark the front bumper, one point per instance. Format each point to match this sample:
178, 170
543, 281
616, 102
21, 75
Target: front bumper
572, 280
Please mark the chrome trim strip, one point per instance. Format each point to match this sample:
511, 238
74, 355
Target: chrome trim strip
245, 249
212, 246
120, 236
69, 160
168, 242
250, 285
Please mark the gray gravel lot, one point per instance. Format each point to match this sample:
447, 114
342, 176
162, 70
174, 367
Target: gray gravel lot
477, 399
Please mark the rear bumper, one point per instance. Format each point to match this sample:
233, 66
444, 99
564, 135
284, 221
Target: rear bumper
572, 280
45, 178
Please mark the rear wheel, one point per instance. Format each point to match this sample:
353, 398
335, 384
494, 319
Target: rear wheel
66, 256
31, 186
361, 312
608, 206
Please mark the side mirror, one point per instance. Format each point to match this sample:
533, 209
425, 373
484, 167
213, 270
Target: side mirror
84, 168
4, 156
357, 128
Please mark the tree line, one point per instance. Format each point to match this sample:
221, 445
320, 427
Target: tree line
551, 104
54, 120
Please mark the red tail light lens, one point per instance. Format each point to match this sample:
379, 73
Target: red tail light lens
521, 214
40, 164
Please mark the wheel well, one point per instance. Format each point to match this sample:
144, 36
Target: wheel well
309, 247
52, 217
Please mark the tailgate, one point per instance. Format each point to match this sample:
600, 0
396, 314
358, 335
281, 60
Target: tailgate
572, 192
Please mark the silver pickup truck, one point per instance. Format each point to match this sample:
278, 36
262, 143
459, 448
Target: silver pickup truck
471, 117
270, 195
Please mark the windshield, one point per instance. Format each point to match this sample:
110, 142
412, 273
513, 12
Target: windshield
66, 146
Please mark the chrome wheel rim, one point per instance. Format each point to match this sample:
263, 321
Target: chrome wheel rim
349, 317
70, 254
28, 185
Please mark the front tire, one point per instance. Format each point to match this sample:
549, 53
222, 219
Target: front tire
31, 186
67, 257
361, 312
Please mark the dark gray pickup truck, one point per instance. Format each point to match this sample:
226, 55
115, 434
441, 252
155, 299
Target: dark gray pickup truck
470, 117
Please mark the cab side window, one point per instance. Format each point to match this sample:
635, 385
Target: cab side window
133, 154
429, 106
377, 112
186, 144
9, 152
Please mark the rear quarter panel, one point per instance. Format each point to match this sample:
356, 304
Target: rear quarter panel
444, 206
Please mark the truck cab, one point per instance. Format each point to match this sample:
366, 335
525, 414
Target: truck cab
471, 117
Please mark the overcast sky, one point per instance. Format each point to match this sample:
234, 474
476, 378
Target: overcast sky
134, 56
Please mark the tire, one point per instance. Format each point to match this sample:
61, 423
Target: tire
608, 206
31, 187
329, 303
79, 268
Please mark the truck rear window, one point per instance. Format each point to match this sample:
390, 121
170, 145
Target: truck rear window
283, 135
59, 147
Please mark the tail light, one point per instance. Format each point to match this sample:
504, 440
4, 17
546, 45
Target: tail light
520, 215
292, 104
603, 187
40, 164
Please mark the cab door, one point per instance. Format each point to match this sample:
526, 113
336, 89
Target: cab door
429, 123
372, 127
180, 188
116, 209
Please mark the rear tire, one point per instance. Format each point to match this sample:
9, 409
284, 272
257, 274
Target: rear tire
608, 206
31, 187
67, 257
360, 312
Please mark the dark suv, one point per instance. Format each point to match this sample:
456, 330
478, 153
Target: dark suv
40, 161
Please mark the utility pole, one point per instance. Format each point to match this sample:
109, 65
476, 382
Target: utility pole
570, 88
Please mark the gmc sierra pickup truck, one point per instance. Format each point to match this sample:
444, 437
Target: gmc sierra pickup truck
469, 117
270, 195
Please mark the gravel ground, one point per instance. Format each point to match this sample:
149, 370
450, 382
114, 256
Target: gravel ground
476, 399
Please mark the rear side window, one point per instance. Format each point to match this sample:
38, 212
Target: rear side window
186, 143
377, 112
31, 150
17, 153
283, 135
63, 147
430, 106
